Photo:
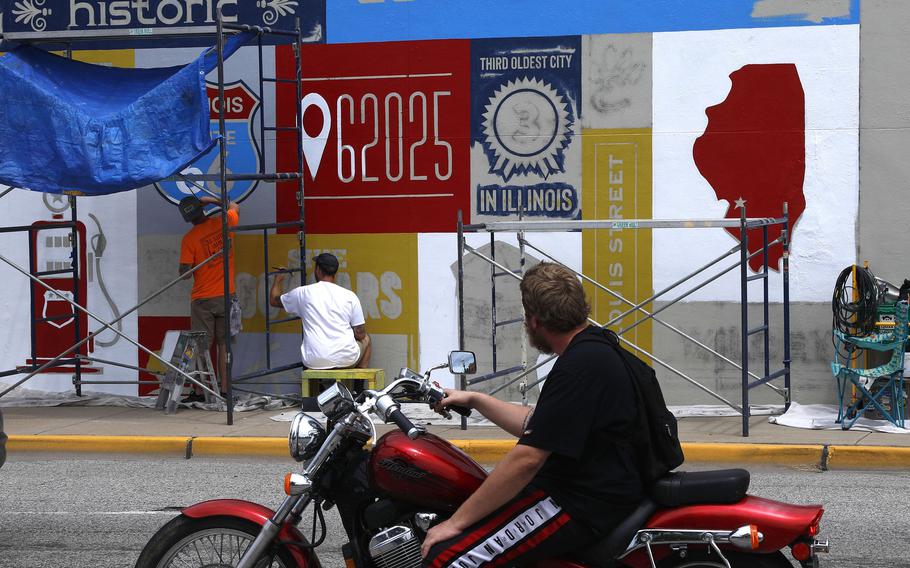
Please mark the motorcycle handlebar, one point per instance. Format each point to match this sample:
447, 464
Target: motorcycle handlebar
404, 423
463, 410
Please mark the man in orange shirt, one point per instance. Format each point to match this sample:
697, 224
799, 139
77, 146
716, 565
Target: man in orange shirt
207, 298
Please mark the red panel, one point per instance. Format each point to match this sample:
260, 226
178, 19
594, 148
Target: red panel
754, 149
57, 335
781, 523
151, 335
402, 164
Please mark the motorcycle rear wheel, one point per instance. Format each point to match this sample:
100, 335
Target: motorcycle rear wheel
701, 559
212, 542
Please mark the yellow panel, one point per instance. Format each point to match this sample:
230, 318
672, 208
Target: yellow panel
380, 268
338, 374
110, 57
616, 182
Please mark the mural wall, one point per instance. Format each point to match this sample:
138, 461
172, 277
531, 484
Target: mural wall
414, 111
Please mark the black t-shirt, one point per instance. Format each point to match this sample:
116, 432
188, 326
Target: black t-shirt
587, 400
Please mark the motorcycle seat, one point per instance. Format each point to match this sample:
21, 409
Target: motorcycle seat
722, 486
602, 553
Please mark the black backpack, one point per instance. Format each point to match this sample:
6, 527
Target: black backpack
654, 435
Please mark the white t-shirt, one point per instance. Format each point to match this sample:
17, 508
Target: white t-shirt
328, 313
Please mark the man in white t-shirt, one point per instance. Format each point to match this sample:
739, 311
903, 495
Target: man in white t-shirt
334, 334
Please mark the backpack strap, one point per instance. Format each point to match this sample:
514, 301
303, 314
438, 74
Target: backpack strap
609, 337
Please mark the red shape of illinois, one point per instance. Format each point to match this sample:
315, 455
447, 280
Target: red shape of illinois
754, 149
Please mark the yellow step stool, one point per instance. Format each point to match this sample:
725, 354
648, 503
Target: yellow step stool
375, 378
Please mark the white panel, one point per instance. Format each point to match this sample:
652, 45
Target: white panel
437, 286
691, 73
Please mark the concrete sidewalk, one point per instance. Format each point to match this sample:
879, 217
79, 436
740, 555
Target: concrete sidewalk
193, 432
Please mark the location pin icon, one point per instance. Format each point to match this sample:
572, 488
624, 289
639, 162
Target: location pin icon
314, 147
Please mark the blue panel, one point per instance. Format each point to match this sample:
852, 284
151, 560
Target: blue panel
71, 126
525, 96
153, 23
390, 20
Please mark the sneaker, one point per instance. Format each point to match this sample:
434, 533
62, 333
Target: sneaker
193, 397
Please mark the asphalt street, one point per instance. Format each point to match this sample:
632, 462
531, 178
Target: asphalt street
81, 511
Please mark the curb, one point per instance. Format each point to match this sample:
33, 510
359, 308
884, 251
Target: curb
868, 457
100, 444
484, 451
784, 454
252, 446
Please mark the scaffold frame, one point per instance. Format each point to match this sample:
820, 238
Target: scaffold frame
221, 32
749, 379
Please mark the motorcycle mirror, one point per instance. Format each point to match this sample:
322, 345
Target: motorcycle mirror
462, 362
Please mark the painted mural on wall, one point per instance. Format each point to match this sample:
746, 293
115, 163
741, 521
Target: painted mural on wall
415, 110
106, 235
397, 20
385, 141
31, 19
616, 177
757, 117
385, 283
243, 146
753, 151
617, 182
524, 124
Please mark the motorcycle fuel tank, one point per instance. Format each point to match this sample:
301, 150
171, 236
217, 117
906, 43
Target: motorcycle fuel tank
429, 471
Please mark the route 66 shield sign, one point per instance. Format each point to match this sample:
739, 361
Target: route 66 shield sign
242, 143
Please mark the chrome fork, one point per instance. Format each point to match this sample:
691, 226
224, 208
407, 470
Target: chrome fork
270, 530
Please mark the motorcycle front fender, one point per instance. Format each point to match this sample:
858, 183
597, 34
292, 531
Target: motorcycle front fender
258, 514
780, 523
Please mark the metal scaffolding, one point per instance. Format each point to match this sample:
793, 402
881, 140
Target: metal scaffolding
749, 379
71, 356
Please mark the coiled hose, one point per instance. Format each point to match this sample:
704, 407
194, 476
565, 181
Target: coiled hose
855, 310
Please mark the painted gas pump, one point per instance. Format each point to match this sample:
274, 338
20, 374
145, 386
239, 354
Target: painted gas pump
54, 320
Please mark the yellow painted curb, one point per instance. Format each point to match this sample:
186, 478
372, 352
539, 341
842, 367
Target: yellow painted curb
101, 444
252, 446
874, 457
765, 453
485, 451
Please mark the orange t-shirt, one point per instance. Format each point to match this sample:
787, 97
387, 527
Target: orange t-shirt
201, 242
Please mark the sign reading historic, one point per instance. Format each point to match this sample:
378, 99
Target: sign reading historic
44, 19
524, 121
385, 142
242, 144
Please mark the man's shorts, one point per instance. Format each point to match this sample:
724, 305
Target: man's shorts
207, 314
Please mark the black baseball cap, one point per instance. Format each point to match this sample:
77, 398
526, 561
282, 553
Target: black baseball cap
327, 262
191, 208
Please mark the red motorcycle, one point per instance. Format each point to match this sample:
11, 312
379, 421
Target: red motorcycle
389, 497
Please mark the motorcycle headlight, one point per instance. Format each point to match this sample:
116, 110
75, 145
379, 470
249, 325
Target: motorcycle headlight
335, 401
307, 434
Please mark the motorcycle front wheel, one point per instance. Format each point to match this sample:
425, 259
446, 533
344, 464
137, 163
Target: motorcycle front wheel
213, 542
737, 560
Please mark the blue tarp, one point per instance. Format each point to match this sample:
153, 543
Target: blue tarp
67, 126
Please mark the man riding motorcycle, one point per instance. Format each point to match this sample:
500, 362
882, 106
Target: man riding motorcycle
565, 484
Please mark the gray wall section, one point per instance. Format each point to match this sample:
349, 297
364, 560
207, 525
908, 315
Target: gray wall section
478, 317
616, 81
884, 138
159, 261
717, 325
